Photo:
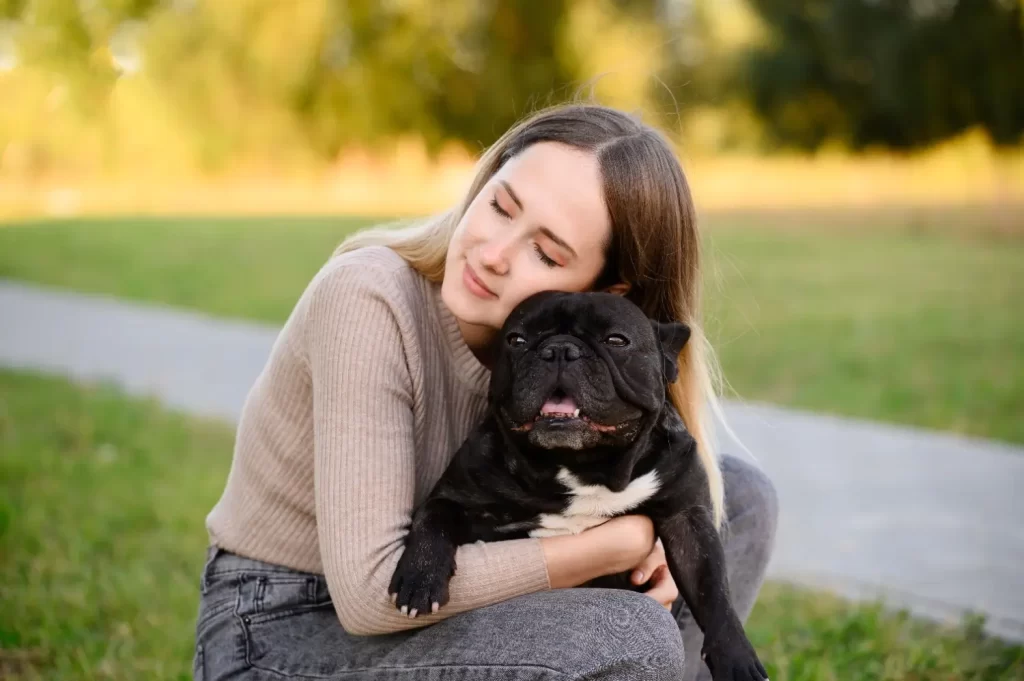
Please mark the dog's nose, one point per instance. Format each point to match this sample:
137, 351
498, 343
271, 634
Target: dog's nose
564, 349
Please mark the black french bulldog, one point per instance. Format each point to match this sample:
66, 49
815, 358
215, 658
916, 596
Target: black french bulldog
579, 429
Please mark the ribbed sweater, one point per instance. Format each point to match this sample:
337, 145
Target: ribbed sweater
368, 392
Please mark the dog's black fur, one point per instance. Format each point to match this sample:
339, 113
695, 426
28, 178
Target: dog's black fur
600, 353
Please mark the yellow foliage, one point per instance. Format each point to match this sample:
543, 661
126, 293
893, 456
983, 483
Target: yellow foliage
628, 52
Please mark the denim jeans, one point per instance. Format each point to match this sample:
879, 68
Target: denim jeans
262, 621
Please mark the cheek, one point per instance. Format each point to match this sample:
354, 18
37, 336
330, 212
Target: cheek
476, 223
458, 237
573, 281
537, 277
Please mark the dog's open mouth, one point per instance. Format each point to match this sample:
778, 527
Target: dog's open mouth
561, 410
559, 405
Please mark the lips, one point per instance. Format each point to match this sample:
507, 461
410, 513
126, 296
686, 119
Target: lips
474, 284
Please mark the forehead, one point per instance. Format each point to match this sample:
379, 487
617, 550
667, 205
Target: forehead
562, 189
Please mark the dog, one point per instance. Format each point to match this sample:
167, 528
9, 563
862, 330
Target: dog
579, 429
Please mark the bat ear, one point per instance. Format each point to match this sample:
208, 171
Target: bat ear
672, 337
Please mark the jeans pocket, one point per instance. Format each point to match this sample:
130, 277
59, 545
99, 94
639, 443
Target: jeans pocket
289, 622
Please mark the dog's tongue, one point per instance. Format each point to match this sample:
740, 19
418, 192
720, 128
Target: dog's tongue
559, 405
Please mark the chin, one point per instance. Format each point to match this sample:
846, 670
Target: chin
466, 307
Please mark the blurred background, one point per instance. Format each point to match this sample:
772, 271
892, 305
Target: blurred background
137, 105
857, 165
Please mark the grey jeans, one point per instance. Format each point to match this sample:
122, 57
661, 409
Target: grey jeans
262, 621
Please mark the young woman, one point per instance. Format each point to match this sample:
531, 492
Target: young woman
379, 374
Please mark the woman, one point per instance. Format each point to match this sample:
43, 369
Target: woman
379, 374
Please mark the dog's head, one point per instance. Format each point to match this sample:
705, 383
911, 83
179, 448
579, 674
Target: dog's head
578, 371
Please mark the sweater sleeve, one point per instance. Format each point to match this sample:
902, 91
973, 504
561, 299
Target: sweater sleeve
365, 462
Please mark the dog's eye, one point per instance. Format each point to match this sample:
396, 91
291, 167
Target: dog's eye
617, 341
516, 339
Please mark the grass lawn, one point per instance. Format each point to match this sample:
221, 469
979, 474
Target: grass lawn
909, 322
102, 503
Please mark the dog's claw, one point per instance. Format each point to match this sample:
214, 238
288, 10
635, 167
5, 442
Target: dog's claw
734, 663
420, 581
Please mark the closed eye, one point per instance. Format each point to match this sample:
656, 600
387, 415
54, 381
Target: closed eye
498, 209
544, 258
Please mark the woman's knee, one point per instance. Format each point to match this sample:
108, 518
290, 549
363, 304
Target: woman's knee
751, 502
624, 635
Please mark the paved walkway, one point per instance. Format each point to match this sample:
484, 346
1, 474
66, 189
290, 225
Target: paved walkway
930, 521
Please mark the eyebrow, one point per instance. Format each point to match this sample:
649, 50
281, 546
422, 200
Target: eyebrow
543, 230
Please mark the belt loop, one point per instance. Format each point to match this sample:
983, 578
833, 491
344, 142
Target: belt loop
211, 555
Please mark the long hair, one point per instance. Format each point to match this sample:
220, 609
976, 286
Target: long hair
654, 247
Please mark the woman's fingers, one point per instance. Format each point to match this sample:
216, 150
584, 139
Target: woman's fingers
663, 587
655, 559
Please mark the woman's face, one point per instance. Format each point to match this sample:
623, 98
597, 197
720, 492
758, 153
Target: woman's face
539, 224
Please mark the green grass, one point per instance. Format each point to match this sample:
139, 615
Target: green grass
102, 507
908, 322
102, 504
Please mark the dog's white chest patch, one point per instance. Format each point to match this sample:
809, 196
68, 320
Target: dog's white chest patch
592, 505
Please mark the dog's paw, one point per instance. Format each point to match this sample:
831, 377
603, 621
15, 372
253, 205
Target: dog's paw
735, 662
420, 582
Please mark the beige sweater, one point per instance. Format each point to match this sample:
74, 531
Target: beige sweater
367, 394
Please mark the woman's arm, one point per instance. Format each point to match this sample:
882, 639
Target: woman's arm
616, 546
365, 466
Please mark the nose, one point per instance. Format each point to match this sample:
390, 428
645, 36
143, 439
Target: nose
560, 349
494, 255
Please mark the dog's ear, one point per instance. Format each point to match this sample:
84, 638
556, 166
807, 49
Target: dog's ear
672, 337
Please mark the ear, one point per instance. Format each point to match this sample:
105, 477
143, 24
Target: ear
620, 289
672, 337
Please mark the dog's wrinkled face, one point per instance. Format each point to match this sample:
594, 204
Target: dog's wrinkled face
582, 370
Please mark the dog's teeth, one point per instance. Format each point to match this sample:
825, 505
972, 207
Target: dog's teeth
576, 414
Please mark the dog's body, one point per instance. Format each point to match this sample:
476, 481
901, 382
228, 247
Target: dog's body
580, 430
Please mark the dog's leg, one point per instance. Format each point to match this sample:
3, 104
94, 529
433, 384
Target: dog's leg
420, 581
697, 562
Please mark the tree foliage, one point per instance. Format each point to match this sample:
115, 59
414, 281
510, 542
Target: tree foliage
271, 79
898, 73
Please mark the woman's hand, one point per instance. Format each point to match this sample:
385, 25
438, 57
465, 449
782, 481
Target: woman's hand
654, 569
642, 553
623, 544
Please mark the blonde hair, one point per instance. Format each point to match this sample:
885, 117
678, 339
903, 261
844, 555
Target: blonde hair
655, 246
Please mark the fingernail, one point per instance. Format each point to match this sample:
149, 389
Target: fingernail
638, 576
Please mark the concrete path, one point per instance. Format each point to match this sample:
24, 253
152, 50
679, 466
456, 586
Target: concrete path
926, 520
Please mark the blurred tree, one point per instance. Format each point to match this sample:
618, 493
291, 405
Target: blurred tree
899, 73
11, 9
695, 79
361, 71
278, 80
501, 61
